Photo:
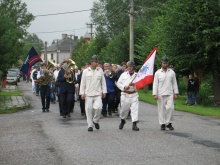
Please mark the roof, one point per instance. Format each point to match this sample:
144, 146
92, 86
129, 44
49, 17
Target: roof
63, 45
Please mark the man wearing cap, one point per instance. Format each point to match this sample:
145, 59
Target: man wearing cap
165, 91
92, 89
129, 96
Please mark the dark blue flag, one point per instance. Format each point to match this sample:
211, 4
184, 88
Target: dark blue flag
32, 58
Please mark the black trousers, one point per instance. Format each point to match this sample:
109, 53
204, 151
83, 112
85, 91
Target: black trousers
117, 97
110, 101
82, 104
45, 94
67, 102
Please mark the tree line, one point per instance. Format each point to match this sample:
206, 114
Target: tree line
187, 32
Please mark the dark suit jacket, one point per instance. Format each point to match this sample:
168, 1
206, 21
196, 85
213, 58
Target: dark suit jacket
65, 86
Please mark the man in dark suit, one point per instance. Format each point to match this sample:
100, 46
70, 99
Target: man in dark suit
67, 91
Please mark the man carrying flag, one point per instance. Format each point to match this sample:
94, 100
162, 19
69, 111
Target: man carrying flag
129, 82
129, 96
32, 58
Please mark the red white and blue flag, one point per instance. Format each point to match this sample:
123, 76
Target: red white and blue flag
145, 74
32, 58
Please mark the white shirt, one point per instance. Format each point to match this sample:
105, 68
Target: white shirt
56, 72
165, 82
124, 80
93, 82
31, 76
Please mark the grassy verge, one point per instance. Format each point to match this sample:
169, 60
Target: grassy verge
199, 110
4, 97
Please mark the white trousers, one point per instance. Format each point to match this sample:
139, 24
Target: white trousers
165, 109
93, 107
33, 86
129, 102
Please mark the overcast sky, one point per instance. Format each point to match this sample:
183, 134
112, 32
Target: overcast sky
68, 23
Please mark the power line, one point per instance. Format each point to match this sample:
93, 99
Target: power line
62, 13
59, 31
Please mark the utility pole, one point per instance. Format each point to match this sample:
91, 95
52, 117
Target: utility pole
46, 51
90, 25
131, 52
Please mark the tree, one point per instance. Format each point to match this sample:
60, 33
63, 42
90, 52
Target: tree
190, 37
29, 41
14, 20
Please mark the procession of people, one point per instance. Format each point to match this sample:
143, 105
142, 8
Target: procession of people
102, 91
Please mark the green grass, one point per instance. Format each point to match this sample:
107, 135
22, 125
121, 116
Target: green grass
14, 93
199, 110
4, 96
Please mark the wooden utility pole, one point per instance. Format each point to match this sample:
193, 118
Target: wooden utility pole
90, 25
131, 52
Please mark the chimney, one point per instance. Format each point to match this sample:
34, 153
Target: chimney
75, 38
64, 36
71, 36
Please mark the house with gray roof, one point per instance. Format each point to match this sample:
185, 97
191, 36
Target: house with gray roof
60, 49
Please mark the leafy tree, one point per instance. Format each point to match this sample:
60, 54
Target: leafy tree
14, 20
188, 32
29, 41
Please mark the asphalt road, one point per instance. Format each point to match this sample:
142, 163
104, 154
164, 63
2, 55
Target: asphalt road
31, 137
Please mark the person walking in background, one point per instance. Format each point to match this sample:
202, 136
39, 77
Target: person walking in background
92, 89
81, 101
165, 91
36, 81
191, 90
109, 101
197, 84
33, 68
44, 88
129, 96
4, 78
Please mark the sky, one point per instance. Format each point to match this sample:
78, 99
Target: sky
70, 24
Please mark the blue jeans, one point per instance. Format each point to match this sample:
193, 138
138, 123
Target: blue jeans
191, 98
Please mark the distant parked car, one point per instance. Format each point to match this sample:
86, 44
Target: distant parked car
17, 70
12, 77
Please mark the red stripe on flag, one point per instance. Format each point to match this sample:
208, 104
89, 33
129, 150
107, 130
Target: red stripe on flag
146, 80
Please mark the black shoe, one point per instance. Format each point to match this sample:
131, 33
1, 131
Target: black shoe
122, 124
61, 114
134, 127
104, 115
170, 126
68, 115
47, 110
90, 129
96, 125
82, 114
110, 114
64, 116
43, 110
163, 127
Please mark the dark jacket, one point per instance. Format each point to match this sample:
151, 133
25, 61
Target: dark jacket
191, 85
65, 86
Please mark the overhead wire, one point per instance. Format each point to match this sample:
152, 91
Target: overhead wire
43, 15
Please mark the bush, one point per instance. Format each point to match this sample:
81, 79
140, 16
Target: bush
182, 86
205, 94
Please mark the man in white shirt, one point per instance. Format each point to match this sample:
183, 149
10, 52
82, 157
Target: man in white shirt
165, 91
32, 80
129, 96
92, 89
